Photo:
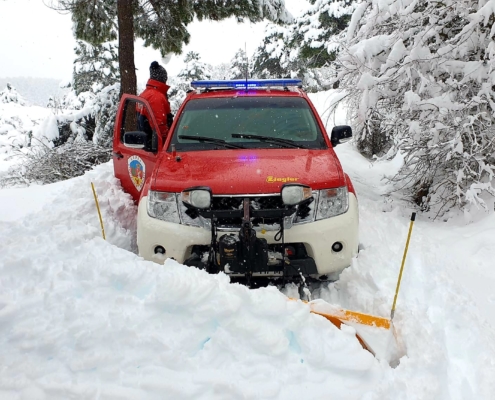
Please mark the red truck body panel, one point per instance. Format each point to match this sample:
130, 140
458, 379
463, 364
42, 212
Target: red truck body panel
253, 171
125, 159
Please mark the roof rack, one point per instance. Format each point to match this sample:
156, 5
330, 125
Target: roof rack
246, 83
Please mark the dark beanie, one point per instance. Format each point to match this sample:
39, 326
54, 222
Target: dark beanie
158, 73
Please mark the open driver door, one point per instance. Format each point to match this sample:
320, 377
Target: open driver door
136, 143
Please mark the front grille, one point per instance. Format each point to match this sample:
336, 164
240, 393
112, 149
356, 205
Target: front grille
256, 203
269, 202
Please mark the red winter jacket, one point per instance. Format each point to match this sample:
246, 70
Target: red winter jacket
156, 94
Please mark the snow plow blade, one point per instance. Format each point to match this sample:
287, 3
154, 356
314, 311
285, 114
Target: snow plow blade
350, 316
376, 334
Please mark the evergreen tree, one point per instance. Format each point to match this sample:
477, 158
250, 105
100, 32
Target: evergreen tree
10, 95
95, 77
89, 109
315, 28
240, 66
194, 70
302, 47
95, 65
105, 109
220, 71
272, 59
418, 78
162, 24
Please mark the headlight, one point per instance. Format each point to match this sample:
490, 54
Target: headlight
186, 219
332, 202
162, 205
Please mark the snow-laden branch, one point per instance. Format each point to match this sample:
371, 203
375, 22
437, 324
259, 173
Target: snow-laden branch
420, 79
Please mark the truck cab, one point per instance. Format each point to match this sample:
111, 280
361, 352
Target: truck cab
246, 182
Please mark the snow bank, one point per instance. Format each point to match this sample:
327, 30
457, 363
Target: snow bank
81, 317
447, 332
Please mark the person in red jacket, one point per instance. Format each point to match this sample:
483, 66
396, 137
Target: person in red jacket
156, 95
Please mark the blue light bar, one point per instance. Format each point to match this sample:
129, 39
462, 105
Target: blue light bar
243, 84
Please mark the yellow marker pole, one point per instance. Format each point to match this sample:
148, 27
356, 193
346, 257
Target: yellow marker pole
99, 213
413, 218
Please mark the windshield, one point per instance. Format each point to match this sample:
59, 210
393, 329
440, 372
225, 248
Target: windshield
286, 118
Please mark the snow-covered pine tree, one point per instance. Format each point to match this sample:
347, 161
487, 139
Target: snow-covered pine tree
73, 113
95, 95
105, 110
419, 75
220, 71
97, 69
322, 21
300, 48
15, 131
240, 66
10, 95
95, 65
275, 58
194, 70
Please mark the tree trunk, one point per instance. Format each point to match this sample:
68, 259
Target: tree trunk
125, 13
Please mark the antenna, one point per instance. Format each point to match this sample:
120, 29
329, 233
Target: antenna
247, 62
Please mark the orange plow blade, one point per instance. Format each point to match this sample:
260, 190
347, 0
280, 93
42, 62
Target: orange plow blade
353, 316
376, 334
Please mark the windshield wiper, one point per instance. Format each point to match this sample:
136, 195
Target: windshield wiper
286, 142
211, 140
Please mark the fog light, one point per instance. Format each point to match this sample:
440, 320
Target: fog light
337, 247
294, 194
159, 250
290, 251
198, 197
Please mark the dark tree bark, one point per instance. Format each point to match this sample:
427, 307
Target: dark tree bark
125, 18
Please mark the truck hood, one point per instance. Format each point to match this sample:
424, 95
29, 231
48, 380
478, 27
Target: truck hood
248, 171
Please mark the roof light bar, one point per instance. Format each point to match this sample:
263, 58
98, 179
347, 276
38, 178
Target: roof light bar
246, 84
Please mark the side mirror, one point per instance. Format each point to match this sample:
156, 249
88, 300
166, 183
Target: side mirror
340, 134
135, 139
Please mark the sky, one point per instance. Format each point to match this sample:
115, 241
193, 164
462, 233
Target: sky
42, 45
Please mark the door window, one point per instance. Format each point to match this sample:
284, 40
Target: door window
136, 117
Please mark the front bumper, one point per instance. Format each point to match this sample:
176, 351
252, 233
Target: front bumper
317, 237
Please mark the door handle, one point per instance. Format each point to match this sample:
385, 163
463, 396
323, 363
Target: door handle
118, 154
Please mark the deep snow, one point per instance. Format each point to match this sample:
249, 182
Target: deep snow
85, 318
19, 125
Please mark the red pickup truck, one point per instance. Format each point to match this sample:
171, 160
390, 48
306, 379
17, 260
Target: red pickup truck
246, 183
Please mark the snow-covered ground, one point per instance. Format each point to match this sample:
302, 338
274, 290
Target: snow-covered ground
85, 318
19, 124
